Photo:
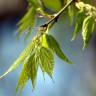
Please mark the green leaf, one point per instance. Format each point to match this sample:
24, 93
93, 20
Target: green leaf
32, 68
34, 3
23, 78
29, 71
71, 12
20, 59
50, 4
53, 44
44, 41
87, 29
27, 22
46, 61
79, 22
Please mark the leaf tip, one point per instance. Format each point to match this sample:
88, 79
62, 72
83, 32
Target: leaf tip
2, 76
84, 46
70, 62
72, 39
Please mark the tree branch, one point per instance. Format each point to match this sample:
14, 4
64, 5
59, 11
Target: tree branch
57, 15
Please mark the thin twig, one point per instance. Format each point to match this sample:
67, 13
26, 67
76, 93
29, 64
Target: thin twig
57, 15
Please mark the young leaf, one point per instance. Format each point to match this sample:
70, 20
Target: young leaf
53, 44
79, 22
27, 22
71, 12
23, 78
20, 59
46, 60
44, 41
29, 71
87, 29
32, 68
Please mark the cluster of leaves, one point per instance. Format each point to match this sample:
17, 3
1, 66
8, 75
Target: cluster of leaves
40, 52
85, 20
27, 23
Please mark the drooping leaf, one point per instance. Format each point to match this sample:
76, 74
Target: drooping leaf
46, 61
53, 44
71, 12
27, 22
79, 22
20, 59
54, 5
23, 78
87, 29
29, 71
32, 69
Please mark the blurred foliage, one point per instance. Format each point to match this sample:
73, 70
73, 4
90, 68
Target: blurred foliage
40, 52
50, 4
